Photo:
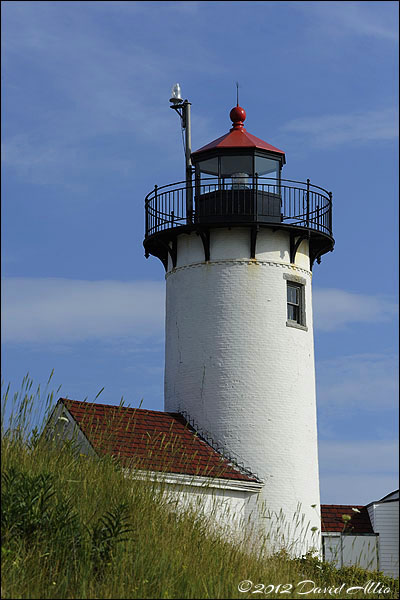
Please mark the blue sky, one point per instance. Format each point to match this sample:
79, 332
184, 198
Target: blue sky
87, 132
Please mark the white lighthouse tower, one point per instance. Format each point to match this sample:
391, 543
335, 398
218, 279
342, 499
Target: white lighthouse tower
238, 244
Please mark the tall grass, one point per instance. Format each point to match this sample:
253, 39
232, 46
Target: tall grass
75, 526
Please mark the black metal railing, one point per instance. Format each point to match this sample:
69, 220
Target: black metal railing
257, 200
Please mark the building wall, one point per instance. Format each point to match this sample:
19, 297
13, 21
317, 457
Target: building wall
241, 373
227, 510
371, 513
331, 548
228, 504
346, 550
61, 428
385, 519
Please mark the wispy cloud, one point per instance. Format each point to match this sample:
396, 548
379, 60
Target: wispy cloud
65, 310
354, 383
358, 127
334, 309
365, 19
97, 89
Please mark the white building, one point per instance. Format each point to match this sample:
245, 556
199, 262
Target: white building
370, 538
238, 244
239, 430
384, 515
164, 447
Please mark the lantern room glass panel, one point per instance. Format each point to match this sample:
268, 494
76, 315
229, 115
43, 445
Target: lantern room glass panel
208, 168
268, 170
236, 164
237, 171
266, 167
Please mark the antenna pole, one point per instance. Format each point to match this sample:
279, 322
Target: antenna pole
182, 108
186, 122
237, 93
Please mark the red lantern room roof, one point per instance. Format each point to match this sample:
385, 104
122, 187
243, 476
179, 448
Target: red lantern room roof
238, 137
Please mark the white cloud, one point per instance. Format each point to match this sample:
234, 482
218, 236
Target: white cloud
334, 308
357, 127
357, 472
67, 310
361, 382
365, 19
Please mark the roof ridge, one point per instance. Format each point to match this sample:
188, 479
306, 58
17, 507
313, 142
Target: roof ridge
89, 403
346, 505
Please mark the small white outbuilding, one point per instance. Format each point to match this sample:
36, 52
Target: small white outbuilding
384, 515
367, 536
161, 447
166, 447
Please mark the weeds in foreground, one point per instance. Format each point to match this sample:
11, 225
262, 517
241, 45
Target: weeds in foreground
77, 527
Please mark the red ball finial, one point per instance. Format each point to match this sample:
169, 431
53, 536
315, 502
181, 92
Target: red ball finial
237, 115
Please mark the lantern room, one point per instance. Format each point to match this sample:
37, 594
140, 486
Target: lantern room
238, 157
238, 177
236, 181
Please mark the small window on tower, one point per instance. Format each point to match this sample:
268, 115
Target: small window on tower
295, 304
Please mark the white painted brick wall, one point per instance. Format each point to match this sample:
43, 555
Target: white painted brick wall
241, 373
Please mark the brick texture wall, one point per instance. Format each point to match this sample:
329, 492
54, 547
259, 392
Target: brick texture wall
241, 373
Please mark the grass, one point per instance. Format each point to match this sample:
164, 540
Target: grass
75, 527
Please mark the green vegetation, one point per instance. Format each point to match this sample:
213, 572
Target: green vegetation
77, 527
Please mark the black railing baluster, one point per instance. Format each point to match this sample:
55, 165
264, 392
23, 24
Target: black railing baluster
300, 204
256, 198
156, 206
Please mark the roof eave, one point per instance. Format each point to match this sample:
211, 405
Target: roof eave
197, 480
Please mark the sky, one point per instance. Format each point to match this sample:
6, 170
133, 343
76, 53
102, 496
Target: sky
87, 132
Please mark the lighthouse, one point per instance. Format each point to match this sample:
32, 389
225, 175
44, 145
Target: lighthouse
239, 243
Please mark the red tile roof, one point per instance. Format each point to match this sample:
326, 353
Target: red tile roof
331, 518
150, 440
